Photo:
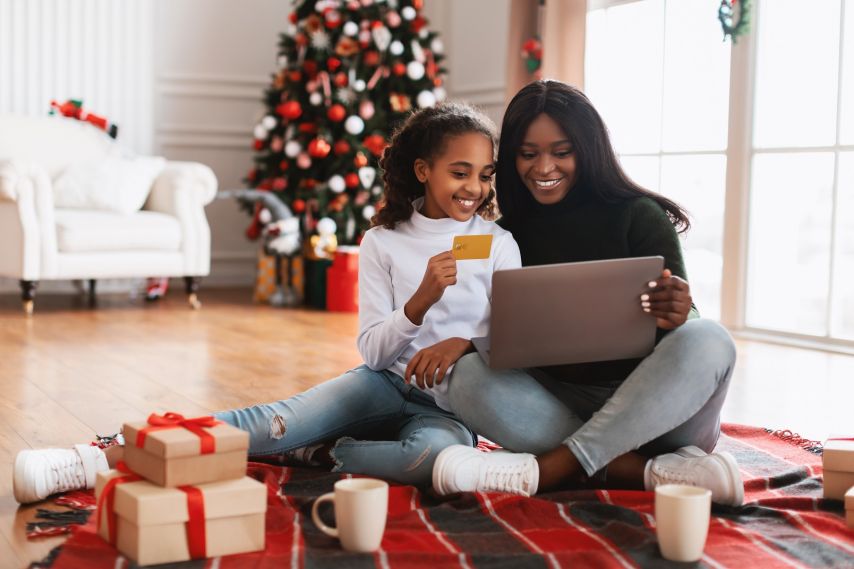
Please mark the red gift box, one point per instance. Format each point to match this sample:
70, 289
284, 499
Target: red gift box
342, 281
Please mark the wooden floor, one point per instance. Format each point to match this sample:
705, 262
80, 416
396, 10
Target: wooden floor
70, 372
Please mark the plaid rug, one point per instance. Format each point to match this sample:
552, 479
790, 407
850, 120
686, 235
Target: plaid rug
784, 523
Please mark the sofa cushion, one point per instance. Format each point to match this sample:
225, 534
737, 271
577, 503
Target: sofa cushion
79, 231
116, 183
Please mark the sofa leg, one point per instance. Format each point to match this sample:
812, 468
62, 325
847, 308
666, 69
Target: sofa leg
192, 284
28, 295
92, 299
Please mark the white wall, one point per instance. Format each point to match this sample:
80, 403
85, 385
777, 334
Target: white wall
185, 79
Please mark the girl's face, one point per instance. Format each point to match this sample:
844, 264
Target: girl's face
458, 181
546, 161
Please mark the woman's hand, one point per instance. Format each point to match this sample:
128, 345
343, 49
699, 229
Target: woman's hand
669, 300
433, 362
441, 273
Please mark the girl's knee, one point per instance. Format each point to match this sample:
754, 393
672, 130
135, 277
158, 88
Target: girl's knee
466, 382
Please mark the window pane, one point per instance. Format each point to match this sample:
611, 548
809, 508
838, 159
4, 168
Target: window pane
643, 170
623, 72
847, 132
789, 253
796, 73
696, 79
697, 183
843, 277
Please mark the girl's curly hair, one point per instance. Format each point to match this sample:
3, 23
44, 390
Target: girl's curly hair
424, 134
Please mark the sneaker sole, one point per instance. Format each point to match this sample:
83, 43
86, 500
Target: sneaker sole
24, 494
734, 475
440, 466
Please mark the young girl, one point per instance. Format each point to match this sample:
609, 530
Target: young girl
418, 310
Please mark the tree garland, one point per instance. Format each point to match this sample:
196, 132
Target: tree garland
734, 25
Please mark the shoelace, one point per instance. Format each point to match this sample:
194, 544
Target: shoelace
68, 473
509, 478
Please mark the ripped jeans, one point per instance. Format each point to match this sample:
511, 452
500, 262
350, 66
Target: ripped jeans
383, 426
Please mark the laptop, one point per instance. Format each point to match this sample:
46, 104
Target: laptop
570, 313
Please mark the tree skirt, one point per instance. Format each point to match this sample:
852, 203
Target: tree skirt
784, 523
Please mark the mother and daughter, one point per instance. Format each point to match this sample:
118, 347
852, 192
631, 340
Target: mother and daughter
412, 412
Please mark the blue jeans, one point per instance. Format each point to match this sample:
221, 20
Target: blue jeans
672, 399
383, 426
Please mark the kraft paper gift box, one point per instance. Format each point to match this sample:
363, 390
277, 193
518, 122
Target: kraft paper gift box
849, 507
171, 450
151, 524
838, 454
836, 484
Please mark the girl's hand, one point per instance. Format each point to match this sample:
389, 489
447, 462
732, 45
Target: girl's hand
433, 362
441, 273
669, 300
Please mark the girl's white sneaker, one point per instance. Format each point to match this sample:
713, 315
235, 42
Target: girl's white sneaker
40, 473
460, 468
689, 465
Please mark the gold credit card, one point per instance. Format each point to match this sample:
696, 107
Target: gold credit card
471, 247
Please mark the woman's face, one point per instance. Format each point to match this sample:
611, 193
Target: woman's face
546, 161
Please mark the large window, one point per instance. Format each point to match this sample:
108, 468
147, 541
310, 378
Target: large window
660, 75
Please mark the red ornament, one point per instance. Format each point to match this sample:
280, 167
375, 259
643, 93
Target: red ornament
308, 128
298, 206
371, 58
295, 76
284, 165
333, 63
351, 180
333, 18
279, 184
301, 40
417, 24
417, 4
291, 110
253, 173
340, 80
375, 143
310, 67
311, 183
341, 147
360, 160
398, 68
319, 148
258, 144
336, 113
292, 17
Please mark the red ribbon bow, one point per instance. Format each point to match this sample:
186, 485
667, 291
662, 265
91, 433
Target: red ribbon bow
196, 425
196, 530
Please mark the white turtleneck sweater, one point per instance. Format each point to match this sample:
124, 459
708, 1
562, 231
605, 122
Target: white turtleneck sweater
391, 266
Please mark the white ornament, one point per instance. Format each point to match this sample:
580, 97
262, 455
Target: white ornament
382, 37
292, 149
319, 39
260, 132
326, 226
368, 212
350, 29
437, 46
283, 61
417, 51
423, 34
345, 95
367, 175
425, 99
354, 125
315, 98
269, 122
377, 190
336, 184
440, 93
264, 216
359, 85
396, 48
415, 70
408, 13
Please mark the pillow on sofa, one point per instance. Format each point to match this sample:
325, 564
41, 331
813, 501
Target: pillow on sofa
117, 183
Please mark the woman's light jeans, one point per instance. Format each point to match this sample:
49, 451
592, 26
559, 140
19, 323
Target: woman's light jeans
383, 426
672, 399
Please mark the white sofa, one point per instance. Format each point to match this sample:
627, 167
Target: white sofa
168, 237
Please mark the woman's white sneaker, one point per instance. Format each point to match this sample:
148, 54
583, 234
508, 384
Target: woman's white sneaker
40, 473
460, 468
689, 465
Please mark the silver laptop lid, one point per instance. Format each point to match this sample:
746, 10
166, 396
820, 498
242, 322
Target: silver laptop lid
571, 313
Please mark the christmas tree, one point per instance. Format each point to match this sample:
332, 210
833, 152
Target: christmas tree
349, 71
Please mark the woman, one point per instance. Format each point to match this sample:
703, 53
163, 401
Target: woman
565, 198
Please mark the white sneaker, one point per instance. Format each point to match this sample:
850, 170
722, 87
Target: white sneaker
689, 465
40, 473
460, 468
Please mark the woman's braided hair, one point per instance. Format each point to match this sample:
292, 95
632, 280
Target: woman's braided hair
424, 134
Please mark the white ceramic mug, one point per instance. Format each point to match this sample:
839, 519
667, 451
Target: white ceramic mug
361, 507
682, 520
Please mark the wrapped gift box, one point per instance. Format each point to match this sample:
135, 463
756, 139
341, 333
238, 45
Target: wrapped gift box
836, 484
849, 507
150, 524
838, 454
179, 455
342, 281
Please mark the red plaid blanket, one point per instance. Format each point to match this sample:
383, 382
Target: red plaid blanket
783, 524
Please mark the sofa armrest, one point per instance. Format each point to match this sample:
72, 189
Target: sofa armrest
183, 190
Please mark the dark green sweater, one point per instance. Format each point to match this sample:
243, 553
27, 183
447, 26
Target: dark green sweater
582, 228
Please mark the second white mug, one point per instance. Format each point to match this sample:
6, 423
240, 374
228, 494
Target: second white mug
682, 521
361, 508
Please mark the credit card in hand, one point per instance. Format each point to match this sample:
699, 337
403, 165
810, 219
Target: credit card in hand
471, 247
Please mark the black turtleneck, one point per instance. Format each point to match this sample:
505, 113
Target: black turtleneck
583, 228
